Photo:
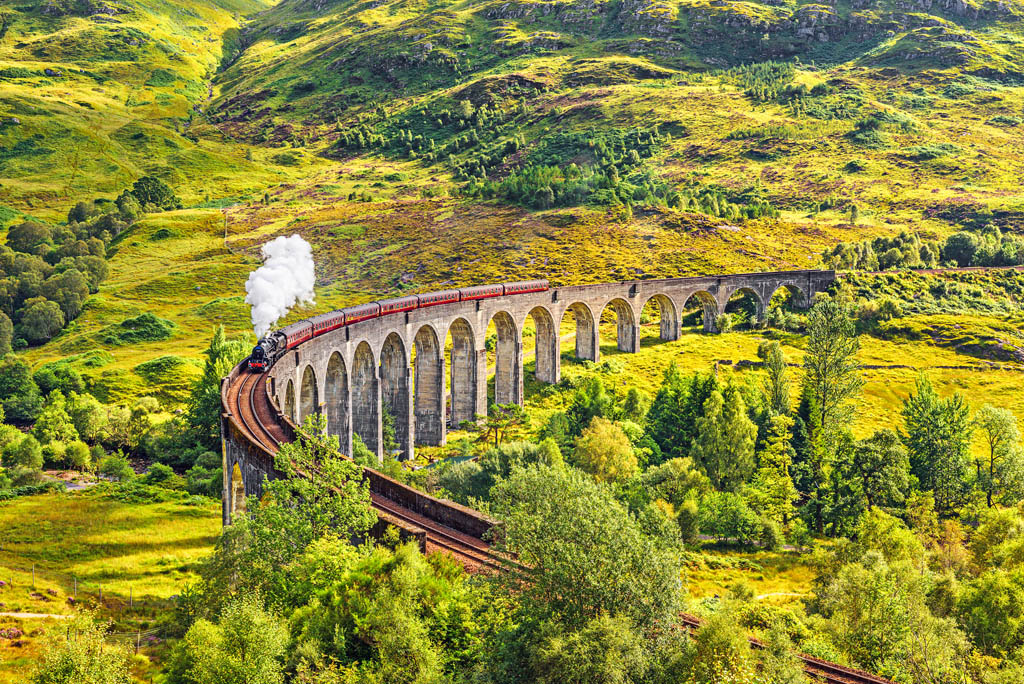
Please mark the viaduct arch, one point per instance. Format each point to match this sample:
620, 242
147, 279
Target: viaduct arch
401, 363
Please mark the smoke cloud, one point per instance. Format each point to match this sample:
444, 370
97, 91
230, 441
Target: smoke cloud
285, 279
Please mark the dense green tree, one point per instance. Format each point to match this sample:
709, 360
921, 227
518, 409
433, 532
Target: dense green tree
588, 402
724, 443
605, 651
604, 451
675, 481
960, 247
26, 453
116, 467
59, 376
18, 391
503, 418
582, 554
84, 657
6, 334
937, 434
1000, 469
832, 373
720, 652
672, 418
247, 646
557, 428
29, 236
778, 662
79, 456
776, 385
991, 609
728, 516
879, 619
54, 424
634, 406
319, 493
772, 491
89, 416
812, 468
881, 465
203, 409
406, 617
41, 321
550, 454
69, 289
150, 191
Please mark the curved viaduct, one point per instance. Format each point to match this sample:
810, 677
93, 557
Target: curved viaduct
351, 372
399, 362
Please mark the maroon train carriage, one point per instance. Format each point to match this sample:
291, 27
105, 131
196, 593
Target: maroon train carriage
297, 333
398, 305
435, 298
361, 312
327, 322
467, 294
524, 286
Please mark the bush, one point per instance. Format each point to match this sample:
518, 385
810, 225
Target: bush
26, 453
143, 328
116, 467
726, 516
771, 535
932, 151
162, 369
78, 455
59, 376
153, 194
164, 476
31, 490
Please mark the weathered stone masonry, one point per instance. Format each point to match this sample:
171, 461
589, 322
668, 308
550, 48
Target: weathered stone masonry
350, 373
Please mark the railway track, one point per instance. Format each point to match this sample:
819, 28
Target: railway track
818, 669
251, 406
257, 418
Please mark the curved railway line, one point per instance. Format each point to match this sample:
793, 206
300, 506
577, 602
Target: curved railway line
250, 406
257, 419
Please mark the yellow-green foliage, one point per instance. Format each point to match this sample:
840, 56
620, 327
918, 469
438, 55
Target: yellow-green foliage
142, 551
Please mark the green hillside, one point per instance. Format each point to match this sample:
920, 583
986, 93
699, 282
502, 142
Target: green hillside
419, 144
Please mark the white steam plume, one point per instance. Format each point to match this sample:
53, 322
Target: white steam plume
285, 279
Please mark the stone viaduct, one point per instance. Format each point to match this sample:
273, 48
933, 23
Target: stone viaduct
400, 361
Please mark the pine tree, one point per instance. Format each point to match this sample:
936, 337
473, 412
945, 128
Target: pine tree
813, 463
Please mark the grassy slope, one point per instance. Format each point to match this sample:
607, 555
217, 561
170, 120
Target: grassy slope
146, 550
134, 95
116, 102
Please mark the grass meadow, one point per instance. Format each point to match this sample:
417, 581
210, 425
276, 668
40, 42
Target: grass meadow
138, 554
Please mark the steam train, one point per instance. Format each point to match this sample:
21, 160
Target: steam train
275, 344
